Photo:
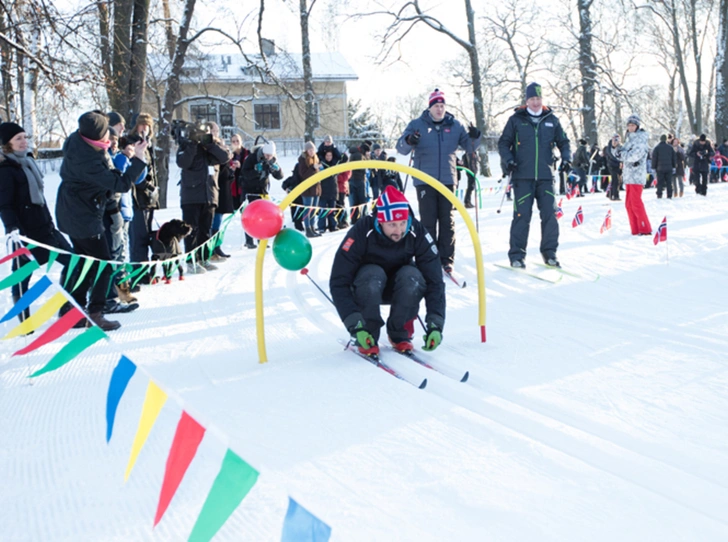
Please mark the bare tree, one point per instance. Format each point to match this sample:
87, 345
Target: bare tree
308, 92
721, 79
588, 71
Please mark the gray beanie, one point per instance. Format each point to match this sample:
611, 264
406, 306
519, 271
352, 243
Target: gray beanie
634, 118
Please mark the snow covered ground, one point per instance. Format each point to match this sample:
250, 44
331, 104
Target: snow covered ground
597, 410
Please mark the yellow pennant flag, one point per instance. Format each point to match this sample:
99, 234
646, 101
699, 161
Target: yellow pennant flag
41, 316
153, 403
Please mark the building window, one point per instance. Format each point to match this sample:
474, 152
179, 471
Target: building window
220, 112
267, 116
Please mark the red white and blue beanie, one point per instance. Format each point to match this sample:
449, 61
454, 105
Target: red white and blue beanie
392, 206
437, 97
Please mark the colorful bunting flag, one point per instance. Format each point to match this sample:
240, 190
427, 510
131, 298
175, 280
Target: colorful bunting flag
74, 347
33, 293
578, 218
19, 275
153, 403
22, 251
187, 439
47, 311
120, 378
301, 525
234, 481
661, 233
607, 222
56, 330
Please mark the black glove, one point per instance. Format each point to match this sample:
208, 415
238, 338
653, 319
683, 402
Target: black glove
473, 132
511, 166
413, 139
635, 164
565, 166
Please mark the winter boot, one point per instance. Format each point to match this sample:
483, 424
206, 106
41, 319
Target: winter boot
551, 261
113, 306
250, 245
402, 346
310, 233
125, 293
518, 264
372, 351
195, 269
218, 251
207, 266
106, 325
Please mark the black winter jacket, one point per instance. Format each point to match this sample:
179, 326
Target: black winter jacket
531, 145
357, 175
145, 195
329, 186
200, 167
366, 244
254, 181
663, 158
17, 211
612, 161
701, 155
88, 180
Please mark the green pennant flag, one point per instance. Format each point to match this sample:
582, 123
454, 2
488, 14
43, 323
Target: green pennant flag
234, 481
19, 275
52, 255
139, 274
69, 270
74, 347
87, 263
101, 267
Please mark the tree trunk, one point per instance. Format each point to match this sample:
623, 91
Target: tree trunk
7, 63
171, 96
721, 75
117, 87
309, 97
30, 90
105, 40
480, 121
169, 33
698, 70
680, 59
138, 58
588, 72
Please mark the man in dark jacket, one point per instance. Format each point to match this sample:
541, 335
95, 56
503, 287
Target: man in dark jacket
701, 152
526, 151
664, 163
388, 259
255, 173
614, 166
581, 165
88, 180
199, 158
433, 139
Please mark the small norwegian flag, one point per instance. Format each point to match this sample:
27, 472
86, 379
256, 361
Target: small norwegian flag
661, 233
593, 186
559, 209
607, 224
578, 218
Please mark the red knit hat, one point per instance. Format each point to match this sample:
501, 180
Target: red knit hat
392, 206
437, 97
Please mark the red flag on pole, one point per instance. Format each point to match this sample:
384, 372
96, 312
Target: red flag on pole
661, 233
578, 218
559, 209
607, 222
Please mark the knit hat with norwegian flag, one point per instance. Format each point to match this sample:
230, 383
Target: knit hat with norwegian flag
437, 97
392, 206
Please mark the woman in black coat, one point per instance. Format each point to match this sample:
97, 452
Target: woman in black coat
23, 206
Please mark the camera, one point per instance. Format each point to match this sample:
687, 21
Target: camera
184, 132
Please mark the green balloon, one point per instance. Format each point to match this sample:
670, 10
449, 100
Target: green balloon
291, 249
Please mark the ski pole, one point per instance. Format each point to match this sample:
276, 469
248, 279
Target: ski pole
406, 179
504, 194
304, 271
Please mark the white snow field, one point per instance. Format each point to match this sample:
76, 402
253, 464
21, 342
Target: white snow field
596, 410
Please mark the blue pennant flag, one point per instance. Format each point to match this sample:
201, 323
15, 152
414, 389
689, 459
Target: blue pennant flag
28, 298
123, 372
301, 525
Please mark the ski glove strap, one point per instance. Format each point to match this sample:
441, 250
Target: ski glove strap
432, 338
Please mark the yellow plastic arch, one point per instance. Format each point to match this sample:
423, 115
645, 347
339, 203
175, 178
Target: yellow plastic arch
367, 164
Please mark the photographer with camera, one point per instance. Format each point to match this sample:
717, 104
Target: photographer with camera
701, 153
199, 157
259, 164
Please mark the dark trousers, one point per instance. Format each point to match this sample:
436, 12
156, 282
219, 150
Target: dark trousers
524, 192
327, 219
701, 183
616, 174
98, 248
199, 216
581, 174
341, 204
664, 181
139, 230
251, 198
403, 292
357, 196
436, 215
470, 189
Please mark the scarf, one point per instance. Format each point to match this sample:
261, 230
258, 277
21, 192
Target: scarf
98, 144
33, 174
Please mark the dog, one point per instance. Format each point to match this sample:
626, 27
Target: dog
167, 244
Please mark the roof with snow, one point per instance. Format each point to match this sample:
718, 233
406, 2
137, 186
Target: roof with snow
331, 66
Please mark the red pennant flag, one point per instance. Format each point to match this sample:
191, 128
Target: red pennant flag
559, 209
578, 218
58, 329
20, 252
661, 233
607, 222
187, 439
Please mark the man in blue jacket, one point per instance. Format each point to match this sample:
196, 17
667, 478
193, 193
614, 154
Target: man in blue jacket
433, 138
526, 151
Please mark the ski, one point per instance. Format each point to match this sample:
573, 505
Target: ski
377, 362
565, 271
456, 280
530, 274
414, 357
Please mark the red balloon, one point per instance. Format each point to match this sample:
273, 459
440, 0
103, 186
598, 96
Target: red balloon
262, 219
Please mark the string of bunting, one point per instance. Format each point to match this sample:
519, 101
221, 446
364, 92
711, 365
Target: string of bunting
235, 478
